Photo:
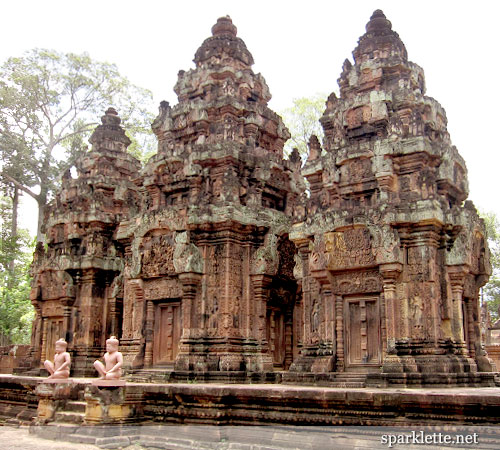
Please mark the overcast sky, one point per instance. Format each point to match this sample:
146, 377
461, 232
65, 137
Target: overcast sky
299, 48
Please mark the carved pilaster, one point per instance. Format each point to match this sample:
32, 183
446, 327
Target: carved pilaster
386, 182
470, 325
114, 316
68, 336
260, 283
44, 340
457, 275
288, 341
190, 283
390, 273
36, 334
339, 311
148, 352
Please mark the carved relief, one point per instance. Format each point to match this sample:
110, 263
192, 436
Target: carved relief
52, 308
287, 252
419, 263
346, 249
186, 257
162, 288
157, 253
357, 282
416, 314
266, 258
56, 285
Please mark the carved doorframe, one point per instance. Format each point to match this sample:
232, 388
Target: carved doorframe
369, 335
166, 336
53, 329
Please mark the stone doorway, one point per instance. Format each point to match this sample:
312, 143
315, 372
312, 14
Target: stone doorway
362, 333
276, 336
167, 331
279, 325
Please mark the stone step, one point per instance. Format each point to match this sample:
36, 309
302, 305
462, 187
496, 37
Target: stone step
69, 417
75, 406
54, 430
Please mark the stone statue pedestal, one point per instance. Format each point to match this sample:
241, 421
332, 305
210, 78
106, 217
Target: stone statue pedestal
57, 381
52, 397
108, 403
108, 383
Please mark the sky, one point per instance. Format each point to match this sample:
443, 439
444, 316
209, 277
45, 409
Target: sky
298, 46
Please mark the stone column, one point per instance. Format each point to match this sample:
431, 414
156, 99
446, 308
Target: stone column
304, 253
288, 339
457, 276
190, 283
390, 273
113, 316
470, 322
43, 356
260, 283
148, 352
67, 306
87, 308
339, 328
37, 333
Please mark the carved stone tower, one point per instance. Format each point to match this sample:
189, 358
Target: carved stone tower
213, 263
210, 266
75, 280
393, 259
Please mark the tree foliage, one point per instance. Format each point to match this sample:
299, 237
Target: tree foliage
49, 104
16, 311
491, 291
302, 120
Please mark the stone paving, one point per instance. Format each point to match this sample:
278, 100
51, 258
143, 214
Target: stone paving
249, 438
14, 438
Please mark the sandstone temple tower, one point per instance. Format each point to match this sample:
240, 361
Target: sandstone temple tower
214, 262
392, 258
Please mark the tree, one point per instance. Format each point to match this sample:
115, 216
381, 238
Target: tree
16, 253
491, 291
302, 120
49, 104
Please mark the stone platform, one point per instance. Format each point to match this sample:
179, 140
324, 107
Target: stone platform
235, 404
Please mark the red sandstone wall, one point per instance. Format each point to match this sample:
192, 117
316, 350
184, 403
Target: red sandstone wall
11, 356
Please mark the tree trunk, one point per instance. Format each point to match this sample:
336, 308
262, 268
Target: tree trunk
15, 205
13, 224
42, 202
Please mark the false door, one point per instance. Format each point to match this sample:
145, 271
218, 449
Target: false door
55, 331
167, 332
362, 332
276, 336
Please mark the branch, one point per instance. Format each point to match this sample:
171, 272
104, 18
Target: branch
87, 127
19, 185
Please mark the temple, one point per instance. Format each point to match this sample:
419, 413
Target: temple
222, 260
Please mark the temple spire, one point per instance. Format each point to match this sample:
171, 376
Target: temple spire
379, 41
224, 26
378, 23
